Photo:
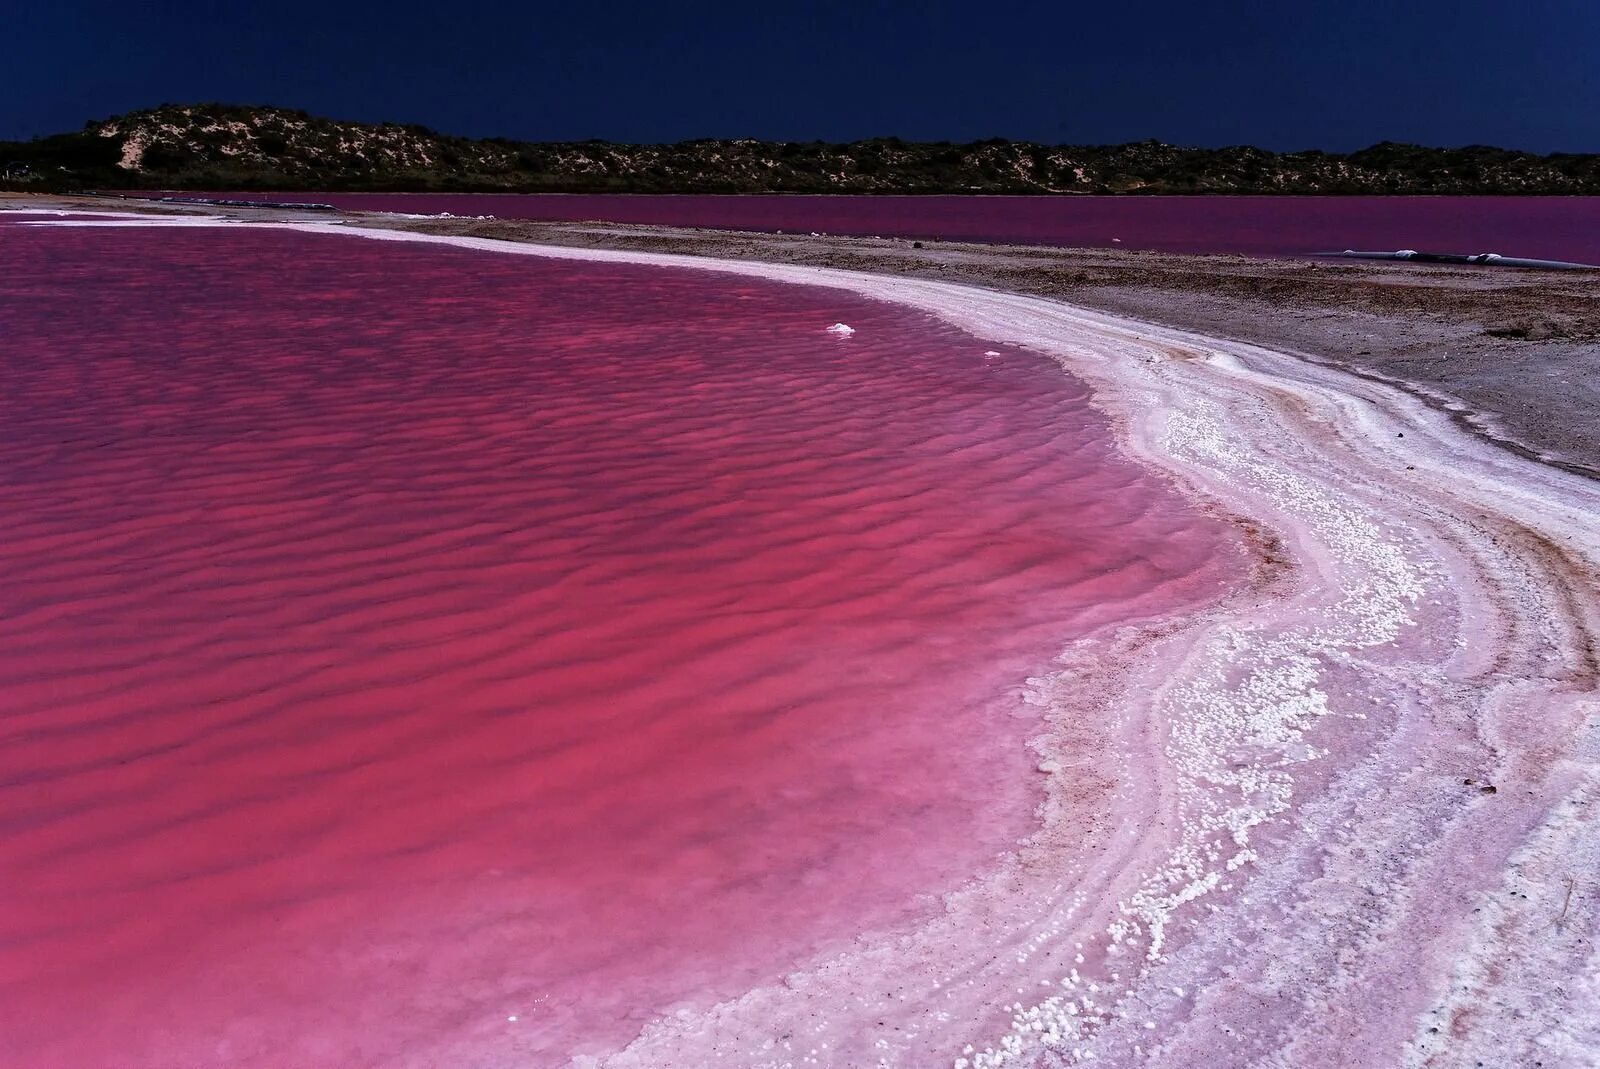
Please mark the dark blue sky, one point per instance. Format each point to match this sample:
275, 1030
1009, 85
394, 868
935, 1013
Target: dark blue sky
1279, 74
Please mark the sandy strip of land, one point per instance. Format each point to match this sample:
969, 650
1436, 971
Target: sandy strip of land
1347, 817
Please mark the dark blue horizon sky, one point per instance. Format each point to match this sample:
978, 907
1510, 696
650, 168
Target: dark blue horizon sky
1280, 75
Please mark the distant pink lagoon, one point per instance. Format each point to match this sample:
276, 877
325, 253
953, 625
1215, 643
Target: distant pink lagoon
413, 653
1550, 227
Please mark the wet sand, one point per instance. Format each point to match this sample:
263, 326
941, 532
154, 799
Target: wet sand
1347, 816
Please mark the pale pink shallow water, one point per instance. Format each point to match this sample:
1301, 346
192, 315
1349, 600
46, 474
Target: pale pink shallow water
1549, 227
398, 640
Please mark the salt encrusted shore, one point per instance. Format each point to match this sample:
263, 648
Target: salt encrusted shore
1345, 818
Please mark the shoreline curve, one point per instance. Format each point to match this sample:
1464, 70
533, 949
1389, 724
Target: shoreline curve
1349, 815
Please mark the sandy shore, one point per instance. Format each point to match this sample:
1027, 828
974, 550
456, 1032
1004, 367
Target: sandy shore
1347, 817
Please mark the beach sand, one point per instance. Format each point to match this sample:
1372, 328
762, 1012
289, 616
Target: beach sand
1345, 817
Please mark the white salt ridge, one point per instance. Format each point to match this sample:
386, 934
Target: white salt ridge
157, 222
1286, 791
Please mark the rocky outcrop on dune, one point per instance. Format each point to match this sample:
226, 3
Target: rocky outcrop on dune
216, 146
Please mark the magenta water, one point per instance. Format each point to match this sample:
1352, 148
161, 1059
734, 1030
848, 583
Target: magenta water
421, 656
1561, 228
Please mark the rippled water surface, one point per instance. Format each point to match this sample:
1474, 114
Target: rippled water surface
413, 653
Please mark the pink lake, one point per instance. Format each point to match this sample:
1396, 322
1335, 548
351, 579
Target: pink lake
1559, 228
411, 655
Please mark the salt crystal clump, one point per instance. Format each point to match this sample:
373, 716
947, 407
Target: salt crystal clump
842, 329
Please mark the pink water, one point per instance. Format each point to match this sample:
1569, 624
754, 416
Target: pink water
396, 641
1560, 228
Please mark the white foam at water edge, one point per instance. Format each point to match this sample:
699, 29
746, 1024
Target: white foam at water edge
1281, 864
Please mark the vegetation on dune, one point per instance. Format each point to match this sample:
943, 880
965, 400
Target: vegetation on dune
219, 147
